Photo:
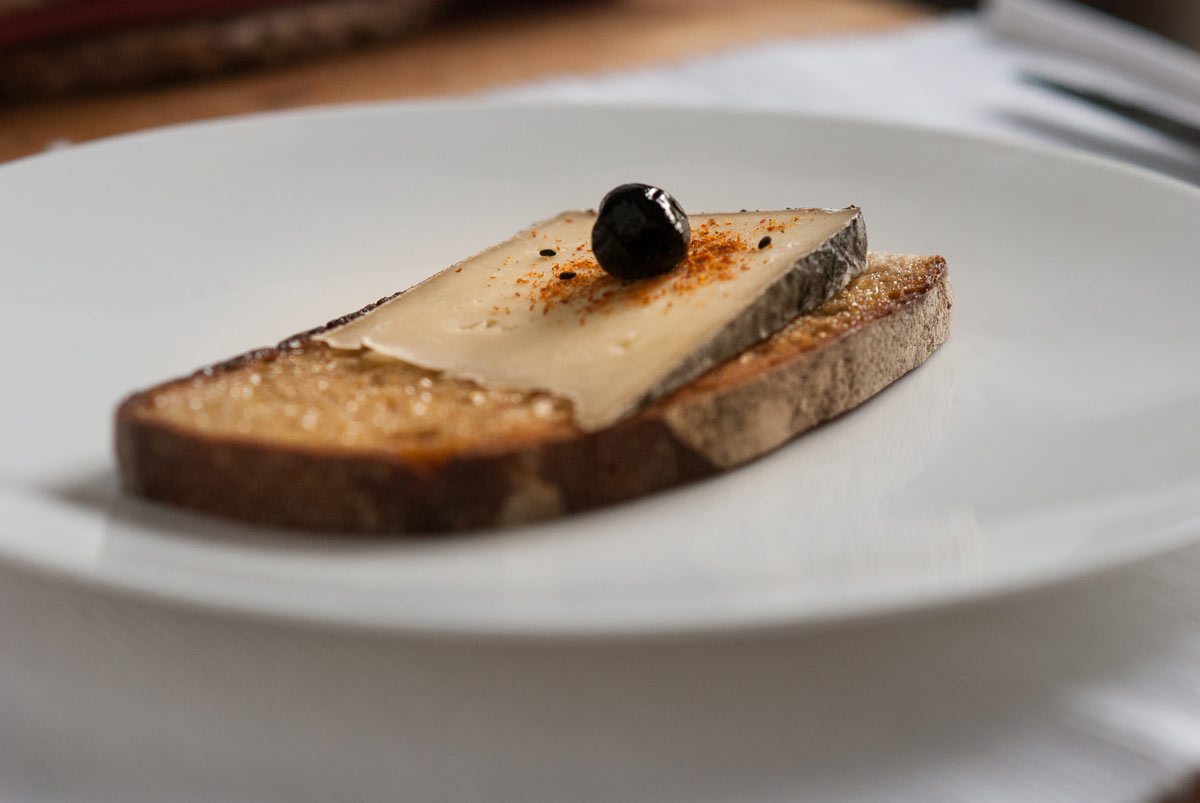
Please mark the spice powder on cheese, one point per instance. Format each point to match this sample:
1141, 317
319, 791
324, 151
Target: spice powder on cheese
579, 281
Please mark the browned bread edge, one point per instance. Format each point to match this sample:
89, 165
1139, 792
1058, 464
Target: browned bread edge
698, 431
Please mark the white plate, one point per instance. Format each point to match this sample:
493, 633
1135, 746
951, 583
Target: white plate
1057, 432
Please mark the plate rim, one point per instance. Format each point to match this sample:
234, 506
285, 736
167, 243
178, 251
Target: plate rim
867, 610
996, 585
483, 103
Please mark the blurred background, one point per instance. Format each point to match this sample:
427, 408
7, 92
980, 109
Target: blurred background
74, 70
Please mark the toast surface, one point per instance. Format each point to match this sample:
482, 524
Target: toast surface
307, 436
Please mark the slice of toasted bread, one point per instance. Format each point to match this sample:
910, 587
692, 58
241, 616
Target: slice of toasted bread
303, 435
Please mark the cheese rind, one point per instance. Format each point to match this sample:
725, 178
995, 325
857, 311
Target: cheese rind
512, 317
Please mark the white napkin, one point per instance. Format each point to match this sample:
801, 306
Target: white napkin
1085, 692
1100, 50
953, 73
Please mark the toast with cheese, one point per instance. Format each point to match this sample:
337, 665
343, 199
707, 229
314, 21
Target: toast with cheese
311, 436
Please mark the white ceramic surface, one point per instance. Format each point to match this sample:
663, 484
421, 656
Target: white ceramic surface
1056, 433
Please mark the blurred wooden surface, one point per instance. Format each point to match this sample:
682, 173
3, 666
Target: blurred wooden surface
457, 57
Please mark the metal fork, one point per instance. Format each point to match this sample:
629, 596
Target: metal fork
1173, 127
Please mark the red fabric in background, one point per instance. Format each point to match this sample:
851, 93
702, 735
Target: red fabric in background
67, 18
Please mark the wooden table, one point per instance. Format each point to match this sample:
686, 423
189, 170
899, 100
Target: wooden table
456, 57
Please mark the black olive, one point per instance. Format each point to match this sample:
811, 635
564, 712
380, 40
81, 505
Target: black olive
640, 231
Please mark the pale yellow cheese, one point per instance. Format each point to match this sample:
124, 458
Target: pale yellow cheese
510, 318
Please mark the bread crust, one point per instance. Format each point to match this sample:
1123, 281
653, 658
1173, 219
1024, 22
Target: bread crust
719, 421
